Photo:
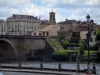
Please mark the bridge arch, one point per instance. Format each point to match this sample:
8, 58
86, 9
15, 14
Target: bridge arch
7, 50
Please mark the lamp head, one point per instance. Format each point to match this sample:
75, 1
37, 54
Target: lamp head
88, 18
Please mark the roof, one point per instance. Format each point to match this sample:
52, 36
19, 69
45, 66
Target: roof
52, 12
80, 28
69, 22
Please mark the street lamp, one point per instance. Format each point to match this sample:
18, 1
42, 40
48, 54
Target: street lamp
88, 22
88, 38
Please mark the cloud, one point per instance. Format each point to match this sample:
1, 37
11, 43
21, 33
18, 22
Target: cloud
71, 9
92, 2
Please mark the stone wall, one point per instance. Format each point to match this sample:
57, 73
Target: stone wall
18, 48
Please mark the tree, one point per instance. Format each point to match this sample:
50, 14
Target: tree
81, 50
80, 54
98, 34
65, 43
98, 43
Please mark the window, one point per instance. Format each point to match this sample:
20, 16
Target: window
91, 39
94, 33
43, 33
40, 34
47, 33
34, 34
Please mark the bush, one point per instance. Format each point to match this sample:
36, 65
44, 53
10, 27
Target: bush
93, 55
60, 55
65, 43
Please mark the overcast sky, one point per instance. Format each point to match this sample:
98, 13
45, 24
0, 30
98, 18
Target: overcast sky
70, 9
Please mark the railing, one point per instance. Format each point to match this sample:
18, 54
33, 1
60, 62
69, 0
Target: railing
21, 36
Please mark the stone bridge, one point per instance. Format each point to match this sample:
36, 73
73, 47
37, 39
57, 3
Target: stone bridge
15, 47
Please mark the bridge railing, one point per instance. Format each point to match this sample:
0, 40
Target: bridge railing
21, 36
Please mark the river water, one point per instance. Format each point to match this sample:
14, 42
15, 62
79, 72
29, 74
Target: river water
64, 65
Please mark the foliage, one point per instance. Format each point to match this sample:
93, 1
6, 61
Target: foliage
98, 57
61, 35
98, 34
64, 55
90, 52
60, 55
56, 43
81, 46
93, 55
80, 51
65, 43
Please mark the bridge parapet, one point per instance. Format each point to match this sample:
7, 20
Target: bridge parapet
22, 37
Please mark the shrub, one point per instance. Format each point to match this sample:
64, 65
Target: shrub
60, 55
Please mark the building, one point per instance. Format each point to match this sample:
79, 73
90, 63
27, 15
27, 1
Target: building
92, 40
76, 30
47, 30
45, 22
19, 25
3, 27
69, 22
52, 19
22, 24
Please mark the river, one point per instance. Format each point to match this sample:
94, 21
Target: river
64, 65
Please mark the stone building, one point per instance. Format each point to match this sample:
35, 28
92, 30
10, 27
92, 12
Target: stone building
22, 24
52, 19
3, 27
47, 30
77, 30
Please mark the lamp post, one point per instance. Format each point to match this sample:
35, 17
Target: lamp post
88, 37
89, 29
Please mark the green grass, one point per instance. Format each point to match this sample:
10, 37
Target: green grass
91, 53
57, 44
69, 50
52, 44
85, 54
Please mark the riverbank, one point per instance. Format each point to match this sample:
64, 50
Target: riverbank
39, 71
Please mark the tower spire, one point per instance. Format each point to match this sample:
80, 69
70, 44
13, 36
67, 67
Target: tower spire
52, 17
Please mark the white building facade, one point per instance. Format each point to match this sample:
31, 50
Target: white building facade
19, 25
83, 35
3, 27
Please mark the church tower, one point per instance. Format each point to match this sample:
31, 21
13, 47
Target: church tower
52, 18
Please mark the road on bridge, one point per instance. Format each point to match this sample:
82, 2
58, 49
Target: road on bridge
20, 73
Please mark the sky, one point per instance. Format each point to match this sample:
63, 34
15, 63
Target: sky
64, 9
